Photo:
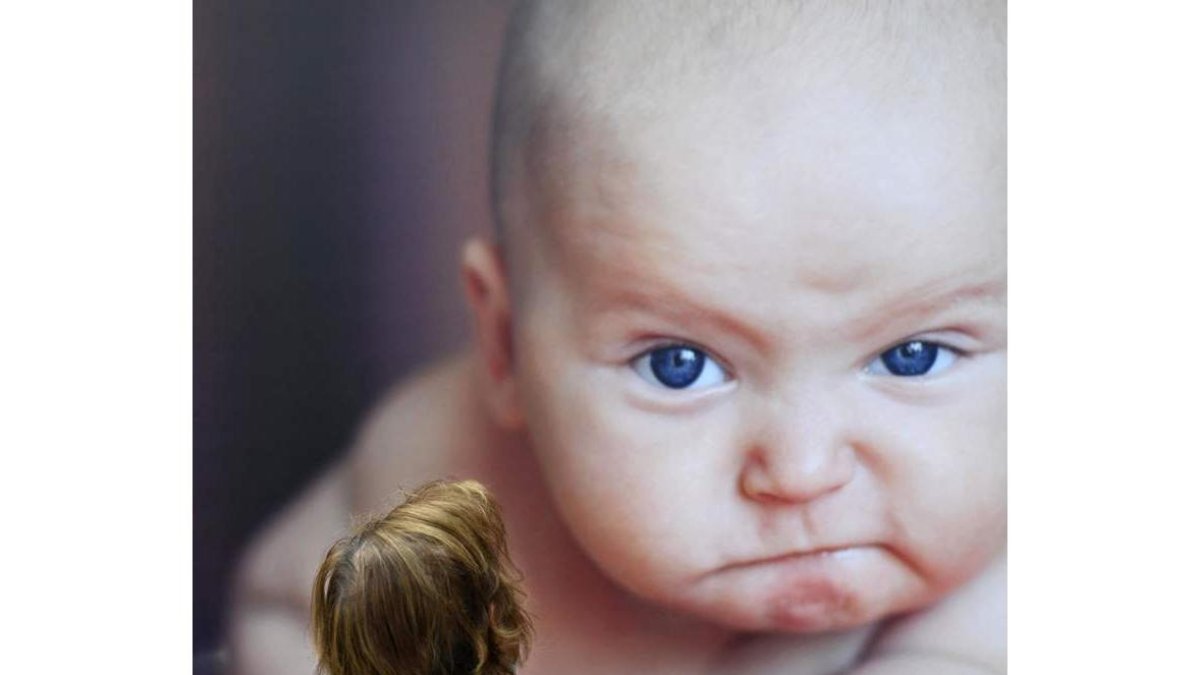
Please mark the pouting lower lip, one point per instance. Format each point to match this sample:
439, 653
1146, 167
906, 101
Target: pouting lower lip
814, 555
829, 552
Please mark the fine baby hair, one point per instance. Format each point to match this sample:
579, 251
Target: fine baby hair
427, 589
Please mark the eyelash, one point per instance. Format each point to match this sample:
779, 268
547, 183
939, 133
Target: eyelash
692, 365
929, 354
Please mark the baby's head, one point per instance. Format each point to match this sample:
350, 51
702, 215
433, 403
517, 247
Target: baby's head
427, 589
749, 302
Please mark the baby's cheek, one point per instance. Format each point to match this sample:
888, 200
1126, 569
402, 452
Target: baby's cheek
946, 492
604, 462
958, 536
641, 488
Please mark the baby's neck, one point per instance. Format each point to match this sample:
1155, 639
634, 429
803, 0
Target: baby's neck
585, 623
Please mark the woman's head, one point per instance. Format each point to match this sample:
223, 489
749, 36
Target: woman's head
426, 589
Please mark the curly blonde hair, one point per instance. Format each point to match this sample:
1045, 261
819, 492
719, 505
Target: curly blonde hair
428, 589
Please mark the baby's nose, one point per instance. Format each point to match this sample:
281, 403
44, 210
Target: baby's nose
803, 459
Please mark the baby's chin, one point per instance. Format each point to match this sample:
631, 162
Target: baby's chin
809, 593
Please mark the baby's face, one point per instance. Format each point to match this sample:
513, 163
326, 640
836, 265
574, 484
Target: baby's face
762, 356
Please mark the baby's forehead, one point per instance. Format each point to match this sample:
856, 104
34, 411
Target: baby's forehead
817, 189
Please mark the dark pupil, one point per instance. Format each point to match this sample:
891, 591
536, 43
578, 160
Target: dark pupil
676, 367
911, 358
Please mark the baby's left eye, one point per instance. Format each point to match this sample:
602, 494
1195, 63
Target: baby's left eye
679, 367
913, 359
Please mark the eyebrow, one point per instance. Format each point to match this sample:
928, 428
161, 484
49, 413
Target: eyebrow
923, 302
669, 302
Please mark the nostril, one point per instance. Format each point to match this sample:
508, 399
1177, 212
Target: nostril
754, 482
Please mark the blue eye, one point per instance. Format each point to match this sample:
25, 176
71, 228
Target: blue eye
913, 359
679, 367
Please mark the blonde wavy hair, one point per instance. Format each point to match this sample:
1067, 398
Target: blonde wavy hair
428, 589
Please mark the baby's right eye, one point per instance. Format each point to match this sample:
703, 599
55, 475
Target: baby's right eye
679, 366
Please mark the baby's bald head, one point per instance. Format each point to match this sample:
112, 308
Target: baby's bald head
723, 222
588, 89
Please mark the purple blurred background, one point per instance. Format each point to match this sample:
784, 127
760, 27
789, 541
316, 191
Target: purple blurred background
340, 160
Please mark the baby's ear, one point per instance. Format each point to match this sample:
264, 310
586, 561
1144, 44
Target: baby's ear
487, 291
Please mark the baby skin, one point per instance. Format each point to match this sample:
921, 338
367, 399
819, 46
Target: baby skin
739, 368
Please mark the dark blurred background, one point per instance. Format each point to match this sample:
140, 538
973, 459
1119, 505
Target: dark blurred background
339, 162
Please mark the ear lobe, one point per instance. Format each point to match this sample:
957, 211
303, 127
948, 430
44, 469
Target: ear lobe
486, 286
